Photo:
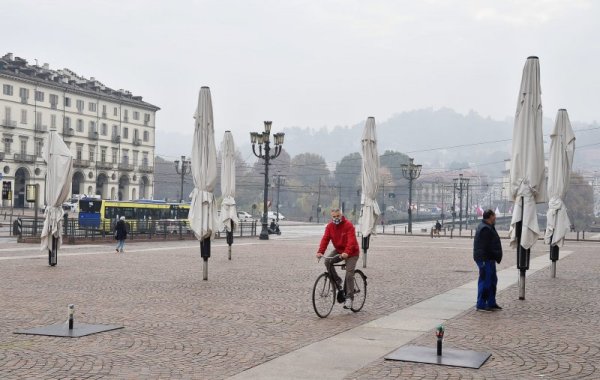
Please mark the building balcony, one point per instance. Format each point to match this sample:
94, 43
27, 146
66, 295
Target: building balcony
137, 141
146, 169
93, 135
104, 165
126, 167
9, 123
41, 128
116, 139
68, 131
22, 157
81, 163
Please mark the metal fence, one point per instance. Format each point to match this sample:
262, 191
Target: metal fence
29, 230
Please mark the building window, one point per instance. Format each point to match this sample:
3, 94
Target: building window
125, 115
115, 111
7, 144
125, 133
23, 116
80, 106
104, 129
115, 131
53, 101
23, 146
145, 159
7, 89
67, 122
67, 102
39, 96
38, 121
79, 152
125, 158
136, 115
103, 154
146, 136
79, 125
39, 145
7, 116
135, 157
92, 107
24, 95
115, 155
136, 134
146, 118
92, 151
92, 126
104, 110
53, 121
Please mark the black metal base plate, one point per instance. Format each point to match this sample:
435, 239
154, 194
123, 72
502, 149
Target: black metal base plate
450, 357
62, 330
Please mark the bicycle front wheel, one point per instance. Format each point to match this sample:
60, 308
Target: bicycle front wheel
360, 290
323, 295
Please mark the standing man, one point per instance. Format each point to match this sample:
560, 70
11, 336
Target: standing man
340, 231
487, 251
121, 234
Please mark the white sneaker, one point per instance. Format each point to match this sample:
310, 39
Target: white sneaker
348, 303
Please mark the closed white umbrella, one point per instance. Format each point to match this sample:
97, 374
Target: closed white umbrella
527, 171
58, 182
229, 218
370, 184
202, 214
560, 163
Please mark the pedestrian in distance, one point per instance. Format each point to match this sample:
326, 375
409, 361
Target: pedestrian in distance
487, 252
341, 233
120, 234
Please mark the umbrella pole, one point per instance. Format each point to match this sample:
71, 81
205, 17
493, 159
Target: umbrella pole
205, 254
365, 246
230, 238
554, 251
53, 252
522, 254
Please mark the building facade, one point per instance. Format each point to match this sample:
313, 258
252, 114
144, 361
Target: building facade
111, 133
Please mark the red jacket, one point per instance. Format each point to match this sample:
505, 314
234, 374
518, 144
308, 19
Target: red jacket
343, 237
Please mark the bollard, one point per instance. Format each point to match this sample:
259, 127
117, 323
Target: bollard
394, 230
451, 232
439, 333
71, 312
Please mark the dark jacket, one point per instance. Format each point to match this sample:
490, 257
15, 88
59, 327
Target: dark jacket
487, 245
121, 230
343, 237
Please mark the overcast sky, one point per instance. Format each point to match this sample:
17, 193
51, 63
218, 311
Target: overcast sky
317, 63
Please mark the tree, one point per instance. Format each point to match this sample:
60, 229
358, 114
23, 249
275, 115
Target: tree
347, 175
580, 202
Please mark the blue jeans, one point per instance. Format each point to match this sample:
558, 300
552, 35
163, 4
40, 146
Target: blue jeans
486, 285
121, 245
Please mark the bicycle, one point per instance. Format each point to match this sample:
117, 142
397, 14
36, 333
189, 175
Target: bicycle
325, 292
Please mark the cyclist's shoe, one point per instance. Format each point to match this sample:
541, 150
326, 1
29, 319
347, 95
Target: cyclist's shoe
341, 296
348, 303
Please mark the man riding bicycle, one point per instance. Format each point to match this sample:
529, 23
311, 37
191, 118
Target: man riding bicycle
340, 231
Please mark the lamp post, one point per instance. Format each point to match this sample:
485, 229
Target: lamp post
182, 169
264, 143
411, 172
458, 185
278, 180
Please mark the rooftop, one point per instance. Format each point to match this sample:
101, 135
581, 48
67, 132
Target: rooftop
67, 79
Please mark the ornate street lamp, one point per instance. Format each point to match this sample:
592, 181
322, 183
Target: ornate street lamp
459, 184
263, 141
411, 172
184, 169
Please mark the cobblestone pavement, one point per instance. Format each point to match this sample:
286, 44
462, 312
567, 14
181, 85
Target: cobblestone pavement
257, 307
551, 335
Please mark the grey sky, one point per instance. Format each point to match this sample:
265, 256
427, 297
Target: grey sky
316, 63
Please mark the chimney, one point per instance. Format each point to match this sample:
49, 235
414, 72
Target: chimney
46, 66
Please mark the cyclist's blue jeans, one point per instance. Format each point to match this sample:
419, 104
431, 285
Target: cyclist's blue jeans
486, 285
350, 266
121, 245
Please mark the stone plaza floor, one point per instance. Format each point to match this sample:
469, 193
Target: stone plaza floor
257, 307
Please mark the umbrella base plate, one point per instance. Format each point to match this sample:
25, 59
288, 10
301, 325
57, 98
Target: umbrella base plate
62, 330
449, 357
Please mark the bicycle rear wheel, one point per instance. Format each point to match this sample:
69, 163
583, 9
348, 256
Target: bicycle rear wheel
323, 295
360, 290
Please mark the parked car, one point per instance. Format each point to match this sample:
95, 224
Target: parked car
273, 215
244, 216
